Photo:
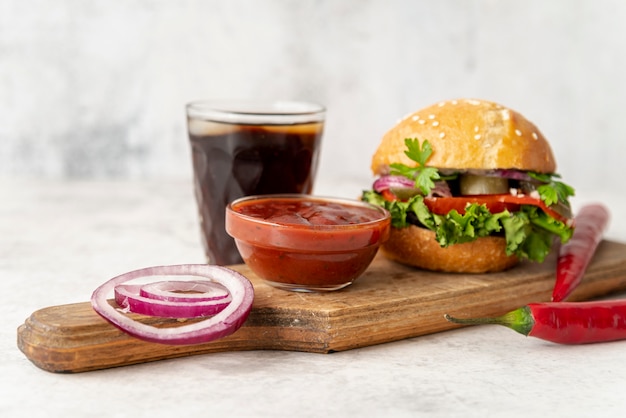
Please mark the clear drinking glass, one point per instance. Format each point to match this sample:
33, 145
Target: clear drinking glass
243, 148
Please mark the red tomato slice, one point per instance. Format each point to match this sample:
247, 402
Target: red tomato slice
443, 205
388, 195
495, 203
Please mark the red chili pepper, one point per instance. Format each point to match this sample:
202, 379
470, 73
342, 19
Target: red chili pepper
575, 255
563, 322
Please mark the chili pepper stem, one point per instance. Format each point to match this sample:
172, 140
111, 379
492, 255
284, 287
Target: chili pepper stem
520, 320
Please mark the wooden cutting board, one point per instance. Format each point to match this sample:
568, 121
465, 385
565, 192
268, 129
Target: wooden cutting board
388, 303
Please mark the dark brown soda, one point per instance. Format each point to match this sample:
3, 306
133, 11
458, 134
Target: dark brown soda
232, 161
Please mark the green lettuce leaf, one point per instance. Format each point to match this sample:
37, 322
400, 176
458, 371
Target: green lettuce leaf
529, 233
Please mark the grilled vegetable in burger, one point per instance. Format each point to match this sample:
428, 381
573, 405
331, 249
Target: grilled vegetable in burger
471, 187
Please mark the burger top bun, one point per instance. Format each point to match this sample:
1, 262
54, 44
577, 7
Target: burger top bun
468, 133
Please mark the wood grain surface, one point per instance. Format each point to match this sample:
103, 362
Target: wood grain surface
388, 303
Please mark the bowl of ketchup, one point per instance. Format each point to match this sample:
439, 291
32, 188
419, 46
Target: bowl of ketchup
306, 243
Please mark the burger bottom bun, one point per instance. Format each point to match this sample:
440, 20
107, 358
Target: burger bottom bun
418, 247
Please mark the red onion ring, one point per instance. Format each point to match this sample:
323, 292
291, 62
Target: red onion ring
227, 321
168, 290
129, 298
395, 182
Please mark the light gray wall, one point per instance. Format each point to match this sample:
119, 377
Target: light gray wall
96, 89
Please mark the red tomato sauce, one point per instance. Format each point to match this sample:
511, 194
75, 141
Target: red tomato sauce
308, 212
307, 241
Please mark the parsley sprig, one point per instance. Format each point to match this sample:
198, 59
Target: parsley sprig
424, 176
553, 191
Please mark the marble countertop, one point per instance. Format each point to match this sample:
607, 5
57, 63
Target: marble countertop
60, 240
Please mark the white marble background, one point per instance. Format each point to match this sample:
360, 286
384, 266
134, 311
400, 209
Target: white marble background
96, 89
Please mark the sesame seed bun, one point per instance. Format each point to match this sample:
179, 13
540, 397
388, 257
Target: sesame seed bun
468, 134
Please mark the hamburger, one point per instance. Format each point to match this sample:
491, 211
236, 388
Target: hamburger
471, 186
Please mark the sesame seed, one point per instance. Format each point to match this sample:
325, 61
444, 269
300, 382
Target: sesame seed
441, 104
442, 134
477, 136
421, 121
518, 132
454, 102
473, 102
431, 116
416, 117
476, 128
436, 123
535, 135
